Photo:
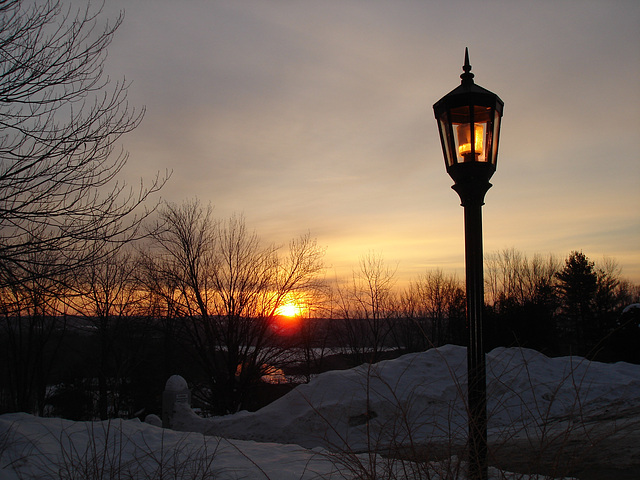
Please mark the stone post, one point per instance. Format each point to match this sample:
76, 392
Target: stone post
176, 390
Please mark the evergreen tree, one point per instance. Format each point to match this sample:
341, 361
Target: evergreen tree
577, 285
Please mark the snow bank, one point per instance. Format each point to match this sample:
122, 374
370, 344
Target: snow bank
419, 398
48, 448
315, 429
55, 449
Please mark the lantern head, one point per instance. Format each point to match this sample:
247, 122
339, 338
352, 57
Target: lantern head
469, 125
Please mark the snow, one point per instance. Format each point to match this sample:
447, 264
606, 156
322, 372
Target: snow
316, 429
423, 395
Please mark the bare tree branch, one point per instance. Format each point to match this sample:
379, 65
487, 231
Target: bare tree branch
60, 120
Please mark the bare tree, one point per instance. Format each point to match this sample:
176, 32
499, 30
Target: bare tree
230, 287
512, 277
368, 306
32, 329
107, 298
162, 296
314, 331
60, 120
434, 306
612, 293
177, 276
521, 300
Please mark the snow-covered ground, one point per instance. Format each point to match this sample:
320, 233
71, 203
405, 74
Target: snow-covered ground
324, 429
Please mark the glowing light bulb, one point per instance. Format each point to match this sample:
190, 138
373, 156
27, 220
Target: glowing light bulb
464, 142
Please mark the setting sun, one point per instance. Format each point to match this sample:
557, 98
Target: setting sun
289, 310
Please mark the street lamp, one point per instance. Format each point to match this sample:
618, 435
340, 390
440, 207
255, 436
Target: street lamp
469, 124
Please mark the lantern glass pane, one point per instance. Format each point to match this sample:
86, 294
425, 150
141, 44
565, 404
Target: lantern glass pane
496, 135
483, 118
445, 138
461, 123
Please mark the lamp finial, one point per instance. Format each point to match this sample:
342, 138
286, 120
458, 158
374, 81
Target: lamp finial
467, 76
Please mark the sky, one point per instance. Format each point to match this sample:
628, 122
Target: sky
317, 117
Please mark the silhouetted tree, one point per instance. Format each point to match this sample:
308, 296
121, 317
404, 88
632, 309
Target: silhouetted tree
625, 338
577, 285
60, 119
229, 287
511, 275
433, 307
32, 326
522, 300
613, 294
313, 335
107, 298
162, 304
367, 308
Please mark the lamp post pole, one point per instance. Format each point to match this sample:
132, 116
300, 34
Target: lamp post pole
476, 367
469, 120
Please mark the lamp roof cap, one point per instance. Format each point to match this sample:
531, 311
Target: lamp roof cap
469, 92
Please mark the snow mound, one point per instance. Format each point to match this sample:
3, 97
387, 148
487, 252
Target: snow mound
415, 399
54, 449
420, 398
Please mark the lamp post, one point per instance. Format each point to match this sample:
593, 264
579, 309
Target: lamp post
469, 124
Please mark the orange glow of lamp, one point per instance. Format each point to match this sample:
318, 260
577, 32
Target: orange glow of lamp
465, 141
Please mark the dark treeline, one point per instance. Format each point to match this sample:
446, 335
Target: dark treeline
573, 306
200, 298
